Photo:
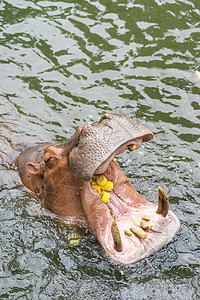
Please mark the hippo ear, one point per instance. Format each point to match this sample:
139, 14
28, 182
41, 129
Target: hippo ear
34, 169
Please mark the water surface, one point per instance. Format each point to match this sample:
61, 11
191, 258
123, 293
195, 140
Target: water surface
62, 65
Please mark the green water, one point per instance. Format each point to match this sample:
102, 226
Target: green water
63, 64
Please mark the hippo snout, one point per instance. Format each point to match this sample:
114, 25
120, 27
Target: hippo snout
100, 140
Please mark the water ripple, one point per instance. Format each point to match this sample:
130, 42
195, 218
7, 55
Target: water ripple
63, 64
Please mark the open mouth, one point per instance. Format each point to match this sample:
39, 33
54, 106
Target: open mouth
128, 227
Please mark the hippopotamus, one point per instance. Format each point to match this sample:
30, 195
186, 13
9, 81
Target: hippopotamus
81, 178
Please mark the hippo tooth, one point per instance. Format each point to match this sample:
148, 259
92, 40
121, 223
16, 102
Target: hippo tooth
146, 218
116, 237
132, 147
145, 225
163, 203
139, 233
127, 232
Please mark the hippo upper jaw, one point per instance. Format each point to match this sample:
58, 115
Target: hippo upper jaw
100, 140
132, 144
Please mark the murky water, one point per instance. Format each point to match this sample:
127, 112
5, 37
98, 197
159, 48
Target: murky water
63, 64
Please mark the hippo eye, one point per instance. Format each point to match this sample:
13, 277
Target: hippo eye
50, 162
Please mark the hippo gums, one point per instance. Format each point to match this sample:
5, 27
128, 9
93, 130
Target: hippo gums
81, 178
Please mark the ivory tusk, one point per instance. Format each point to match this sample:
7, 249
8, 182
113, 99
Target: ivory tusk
163, 203
116, 237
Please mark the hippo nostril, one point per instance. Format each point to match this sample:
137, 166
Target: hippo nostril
105, 116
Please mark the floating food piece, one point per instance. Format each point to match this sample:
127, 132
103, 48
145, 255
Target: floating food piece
132, 147
198, 74
74, 239
139, 233
127, 232
105, 197
145, 225
146, 218
114, 159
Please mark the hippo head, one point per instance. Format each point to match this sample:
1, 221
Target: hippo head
82, 178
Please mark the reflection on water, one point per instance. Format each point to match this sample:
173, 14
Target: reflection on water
63, 64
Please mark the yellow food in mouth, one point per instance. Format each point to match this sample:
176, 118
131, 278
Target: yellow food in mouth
105, 197
102, 186
108, 186
96, 187
101, 180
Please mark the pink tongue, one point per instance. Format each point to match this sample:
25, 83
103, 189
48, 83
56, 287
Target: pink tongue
116, 206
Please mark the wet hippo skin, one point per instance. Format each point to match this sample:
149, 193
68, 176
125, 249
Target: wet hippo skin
81, 178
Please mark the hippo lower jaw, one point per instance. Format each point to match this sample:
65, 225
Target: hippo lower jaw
128, 227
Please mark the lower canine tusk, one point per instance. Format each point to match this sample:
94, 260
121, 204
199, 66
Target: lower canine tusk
163, 203
116, 237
